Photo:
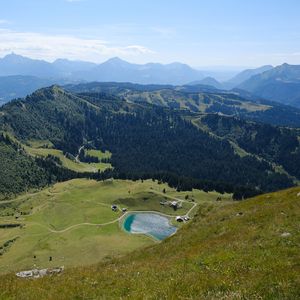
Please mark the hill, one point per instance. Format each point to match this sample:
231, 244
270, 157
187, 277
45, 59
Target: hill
281, 84
146, 141
245, 250
198, 98
208, 81
18, 171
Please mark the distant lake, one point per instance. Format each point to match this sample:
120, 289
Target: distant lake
151, 224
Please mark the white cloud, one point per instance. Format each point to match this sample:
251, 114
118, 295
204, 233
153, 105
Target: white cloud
50, 47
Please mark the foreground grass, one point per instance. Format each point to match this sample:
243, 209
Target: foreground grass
245, 250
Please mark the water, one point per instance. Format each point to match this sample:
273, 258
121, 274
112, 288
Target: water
149, 223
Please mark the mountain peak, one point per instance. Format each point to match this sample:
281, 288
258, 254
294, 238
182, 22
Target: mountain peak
13, 57
116, 60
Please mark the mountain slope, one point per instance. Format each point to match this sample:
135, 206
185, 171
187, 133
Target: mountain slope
247, 74
14, 64
276, 145
208, 81
198, 98
146, 141
281, 84
18, 171
245, 250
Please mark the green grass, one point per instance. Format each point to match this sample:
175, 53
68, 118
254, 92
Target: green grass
54, 221
99, 154
232, 251
66, 162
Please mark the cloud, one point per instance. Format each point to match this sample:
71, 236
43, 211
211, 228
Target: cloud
50, 47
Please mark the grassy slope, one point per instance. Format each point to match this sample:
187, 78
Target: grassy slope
99, 154
68, 163
54, 220
165, 97
220, 255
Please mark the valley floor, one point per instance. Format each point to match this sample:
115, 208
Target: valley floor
73, 223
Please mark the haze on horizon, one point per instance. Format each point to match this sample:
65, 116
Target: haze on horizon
207, 34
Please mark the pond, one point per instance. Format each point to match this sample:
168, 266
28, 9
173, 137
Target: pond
152, 224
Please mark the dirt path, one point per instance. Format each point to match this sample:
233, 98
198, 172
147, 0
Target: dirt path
77, 156
100, 224
119, 218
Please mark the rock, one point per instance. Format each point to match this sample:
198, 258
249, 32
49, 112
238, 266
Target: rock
285, 234
36, 273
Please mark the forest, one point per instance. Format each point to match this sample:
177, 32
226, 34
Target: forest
150, 141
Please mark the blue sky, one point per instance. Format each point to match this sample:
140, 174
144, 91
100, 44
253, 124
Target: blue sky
198, 32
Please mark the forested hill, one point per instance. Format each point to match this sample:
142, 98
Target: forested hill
18, 172
199, 98
146, 141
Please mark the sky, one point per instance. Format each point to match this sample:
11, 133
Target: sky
202, 33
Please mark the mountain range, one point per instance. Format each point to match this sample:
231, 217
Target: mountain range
22, 75
114, 69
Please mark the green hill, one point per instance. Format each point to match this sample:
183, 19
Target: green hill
18, 171
146, 141
243, 250
198, 98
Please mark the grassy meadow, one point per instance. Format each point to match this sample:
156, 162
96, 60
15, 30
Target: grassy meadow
73, 222
241, 250
43, 149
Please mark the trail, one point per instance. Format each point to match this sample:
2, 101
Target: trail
100, 224
119, 218
77, 156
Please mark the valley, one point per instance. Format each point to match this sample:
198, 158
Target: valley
73, 222
149, 150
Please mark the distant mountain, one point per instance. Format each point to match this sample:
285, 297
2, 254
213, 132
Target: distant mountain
245, 75
114, 69
14, 64
208, 81
18, 86
118, 70
67, 68
281, 84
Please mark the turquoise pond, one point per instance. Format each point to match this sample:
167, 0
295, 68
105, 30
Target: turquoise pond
151, 224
